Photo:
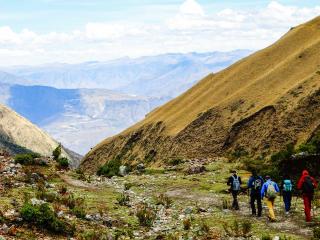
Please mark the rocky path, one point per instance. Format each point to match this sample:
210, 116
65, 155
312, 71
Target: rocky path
171, 218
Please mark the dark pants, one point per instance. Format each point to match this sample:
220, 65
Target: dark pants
235, 204
287, 196
256, 196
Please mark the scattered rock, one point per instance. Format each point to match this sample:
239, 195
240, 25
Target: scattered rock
35, 201
141, 168
196, 169
123, 170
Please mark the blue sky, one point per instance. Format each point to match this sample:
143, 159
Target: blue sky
65, 15
41, 31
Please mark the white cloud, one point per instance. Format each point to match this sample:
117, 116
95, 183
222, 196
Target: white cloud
191, 29
191, 7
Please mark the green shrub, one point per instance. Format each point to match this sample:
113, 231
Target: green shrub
238, 228
111, 168
96, 234
127, 186
163, 199
266, 237
43, 216
316, 233
57, 152
186, 224
175, 161
146, 215
123, 199
26, 159
63, 163
71, 201
79, 212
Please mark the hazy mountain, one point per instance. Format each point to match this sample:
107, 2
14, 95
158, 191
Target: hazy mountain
18, 135
79, 118
259, 105
164, 75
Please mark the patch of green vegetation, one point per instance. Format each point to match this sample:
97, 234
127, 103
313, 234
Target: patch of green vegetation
57, 152
111, 168
43, 216
26, 159
146, 215
63, 163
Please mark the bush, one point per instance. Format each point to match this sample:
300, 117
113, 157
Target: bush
63, 163
95, 234
186, 224
123, 199
163, 199
316, 233
146, 215
57, 152
71, 201
175, 161
127, 186
63, 190
111, 168
266, 237
79, 212
238, 229
42, 216
26, 159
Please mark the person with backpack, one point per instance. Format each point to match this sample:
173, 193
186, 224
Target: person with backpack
269, 191
255, 184
307, 184
234, 182
287, 188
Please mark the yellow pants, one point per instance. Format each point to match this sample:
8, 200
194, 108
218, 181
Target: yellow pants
270, 205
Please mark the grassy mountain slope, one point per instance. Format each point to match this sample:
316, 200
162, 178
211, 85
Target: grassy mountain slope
18, 135
259, 104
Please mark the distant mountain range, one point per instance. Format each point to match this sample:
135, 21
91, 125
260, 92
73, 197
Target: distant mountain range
257, 106
70, 101
165, 75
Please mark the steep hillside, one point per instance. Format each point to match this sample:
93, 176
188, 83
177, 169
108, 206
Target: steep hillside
78, 118
258, 104
18, 135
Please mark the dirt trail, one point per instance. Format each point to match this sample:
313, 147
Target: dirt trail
284, 224
77, 183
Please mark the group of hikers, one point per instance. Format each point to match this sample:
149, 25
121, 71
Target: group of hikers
265, 189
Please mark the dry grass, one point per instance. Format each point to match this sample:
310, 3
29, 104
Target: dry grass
263, 79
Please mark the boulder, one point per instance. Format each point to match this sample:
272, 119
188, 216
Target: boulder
123, 170
196, 169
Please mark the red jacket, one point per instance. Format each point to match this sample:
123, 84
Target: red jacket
305, 173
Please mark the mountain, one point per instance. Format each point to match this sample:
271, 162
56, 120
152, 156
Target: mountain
78, 118
18, 135
165, 75
258, 104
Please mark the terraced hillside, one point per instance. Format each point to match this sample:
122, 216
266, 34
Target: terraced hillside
259, 104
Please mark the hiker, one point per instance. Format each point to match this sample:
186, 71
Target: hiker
307, 184
255, 184
287, 187
235, 186
269, 191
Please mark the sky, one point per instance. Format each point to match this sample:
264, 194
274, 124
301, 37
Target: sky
71, 31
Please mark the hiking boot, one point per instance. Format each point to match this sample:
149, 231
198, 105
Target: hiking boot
287, 213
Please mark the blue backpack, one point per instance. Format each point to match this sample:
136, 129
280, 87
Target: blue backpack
287, 185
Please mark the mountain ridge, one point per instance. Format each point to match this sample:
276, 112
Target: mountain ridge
261, 96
